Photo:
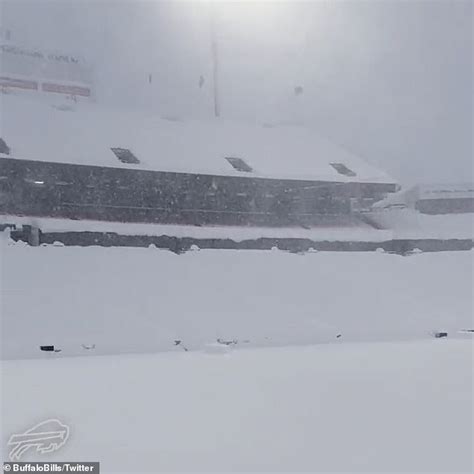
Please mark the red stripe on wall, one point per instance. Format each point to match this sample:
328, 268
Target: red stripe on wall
19, 83
66, 89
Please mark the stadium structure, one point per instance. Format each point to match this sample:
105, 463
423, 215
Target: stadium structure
64, 156
86, 162
74, 173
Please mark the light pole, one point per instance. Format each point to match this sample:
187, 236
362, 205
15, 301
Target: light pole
215, 60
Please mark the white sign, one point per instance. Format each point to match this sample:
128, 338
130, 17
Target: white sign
34, 69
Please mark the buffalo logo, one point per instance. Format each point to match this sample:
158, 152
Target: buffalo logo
47, 436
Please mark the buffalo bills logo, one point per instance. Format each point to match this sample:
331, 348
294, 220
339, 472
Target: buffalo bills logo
46, 437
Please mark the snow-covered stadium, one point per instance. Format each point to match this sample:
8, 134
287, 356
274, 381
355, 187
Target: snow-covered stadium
77, 173
254, 290
83, 161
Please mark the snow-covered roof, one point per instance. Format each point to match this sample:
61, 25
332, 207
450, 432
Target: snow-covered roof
63, 131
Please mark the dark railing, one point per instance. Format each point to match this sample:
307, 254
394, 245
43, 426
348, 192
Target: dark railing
184, 244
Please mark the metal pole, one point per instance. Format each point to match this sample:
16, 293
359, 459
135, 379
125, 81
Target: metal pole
215, 61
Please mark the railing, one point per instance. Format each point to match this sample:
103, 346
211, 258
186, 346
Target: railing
179, 245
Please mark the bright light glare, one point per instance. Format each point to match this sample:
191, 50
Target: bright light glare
252, 20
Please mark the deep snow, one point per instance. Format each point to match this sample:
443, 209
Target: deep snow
145, 299
411, 224
380, 407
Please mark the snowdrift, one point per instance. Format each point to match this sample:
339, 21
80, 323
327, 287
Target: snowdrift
410, 224
144, 300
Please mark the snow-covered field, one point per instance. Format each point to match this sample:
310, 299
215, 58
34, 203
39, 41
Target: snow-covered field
359, 386
145, 299
367, 407
225, 360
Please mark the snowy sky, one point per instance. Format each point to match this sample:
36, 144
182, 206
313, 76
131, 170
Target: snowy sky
390, 80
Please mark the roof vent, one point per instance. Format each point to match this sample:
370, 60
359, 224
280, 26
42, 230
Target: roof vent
239, 164
125, 156
341, 168
4, 148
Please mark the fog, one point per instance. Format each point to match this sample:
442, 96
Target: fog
391, 81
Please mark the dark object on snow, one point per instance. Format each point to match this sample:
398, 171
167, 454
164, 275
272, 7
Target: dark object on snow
341, 168
178, 343
4, 148
298, 90
227, 343
47, 348
201, 81
125, 156
440, 334
239, 164
338, 336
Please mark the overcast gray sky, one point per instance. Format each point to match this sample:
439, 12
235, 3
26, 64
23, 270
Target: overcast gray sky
390, 80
